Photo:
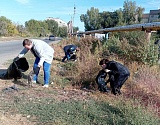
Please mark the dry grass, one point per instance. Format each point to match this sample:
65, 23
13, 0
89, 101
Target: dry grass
82, 74
149, 78
143, 83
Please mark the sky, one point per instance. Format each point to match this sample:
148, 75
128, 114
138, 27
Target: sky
20, 11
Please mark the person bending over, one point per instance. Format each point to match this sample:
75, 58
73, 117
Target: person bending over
118, 74
43, 57
70, 52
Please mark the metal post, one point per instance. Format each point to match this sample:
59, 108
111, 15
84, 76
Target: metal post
148, 35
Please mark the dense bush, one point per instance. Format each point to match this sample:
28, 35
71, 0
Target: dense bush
120, 47
132, 46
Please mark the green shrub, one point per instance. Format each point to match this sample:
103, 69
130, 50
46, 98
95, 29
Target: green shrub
132, 46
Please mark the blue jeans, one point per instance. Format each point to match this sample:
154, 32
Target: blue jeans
46, 70
67, 55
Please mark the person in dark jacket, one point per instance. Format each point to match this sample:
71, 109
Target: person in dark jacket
70, 52
117, 72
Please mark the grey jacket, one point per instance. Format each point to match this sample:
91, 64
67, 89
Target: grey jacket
42, 49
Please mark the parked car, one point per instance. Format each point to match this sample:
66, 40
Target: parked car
51, 37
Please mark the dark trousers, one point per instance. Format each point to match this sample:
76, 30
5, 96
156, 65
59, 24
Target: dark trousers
117, 84
67, 56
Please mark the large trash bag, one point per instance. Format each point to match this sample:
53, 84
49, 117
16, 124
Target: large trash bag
16, 68
100, 79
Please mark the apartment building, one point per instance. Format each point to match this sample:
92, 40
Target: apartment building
152, 16
60, 22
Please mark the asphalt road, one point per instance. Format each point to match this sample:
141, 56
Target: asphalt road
10, 49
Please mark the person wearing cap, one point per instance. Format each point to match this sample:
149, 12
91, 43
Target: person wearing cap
70, 52
118, 74
43, 53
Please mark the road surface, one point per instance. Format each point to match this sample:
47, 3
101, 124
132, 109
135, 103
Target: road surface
10, 49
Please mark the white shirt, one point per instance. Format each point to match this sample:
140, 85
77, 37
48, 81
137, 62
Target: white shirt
43, 50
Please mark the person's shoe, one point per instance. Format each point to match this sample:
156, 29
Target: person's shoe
45, 86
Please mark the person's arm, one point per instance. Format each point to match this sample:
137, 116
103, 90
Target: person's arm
22, 53
113, 68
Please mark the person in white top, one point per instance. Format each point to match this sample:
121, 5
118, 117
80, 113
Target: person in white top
43, 53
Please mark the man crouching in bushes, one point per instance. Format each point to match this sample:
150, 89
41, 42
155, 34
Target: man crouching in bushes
117, 72
70, 52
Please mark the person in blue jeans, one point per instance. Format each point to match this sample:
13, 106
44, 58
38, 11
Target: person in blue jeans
43, 57
70, 51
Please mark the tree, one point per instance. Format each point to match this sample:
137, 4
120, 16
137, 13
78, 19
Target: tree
62, 31
108, 19
21, 29
91, 19
120, 17
140, 11
3, 28
6, 27
52, 27
131, 12
75, 29
12, 30
37, 28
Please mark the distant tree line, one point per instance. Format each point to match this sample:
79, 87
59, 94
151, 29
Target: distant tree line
93, 20
129, 14
31, 28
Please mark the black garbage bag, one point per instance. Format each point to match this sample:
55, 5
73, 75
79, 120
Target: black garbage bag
100, 80
16, 68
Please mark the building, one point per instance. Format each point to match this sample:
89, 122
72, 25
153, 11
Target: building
70, 27
152, 16
60, 22
145, 18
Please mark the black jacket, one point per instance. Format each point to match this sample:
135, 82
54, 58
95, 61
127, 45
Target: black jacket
117, 68
69, 48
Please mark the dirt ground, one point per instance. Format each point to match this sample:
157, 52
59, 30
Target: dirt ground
11, 119
8, 118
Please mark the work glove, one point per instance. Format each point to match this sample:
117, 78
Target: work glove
107, 70
36, 70
16, 58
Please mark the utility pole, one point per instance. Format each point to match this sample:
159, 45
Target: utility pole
73, 17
